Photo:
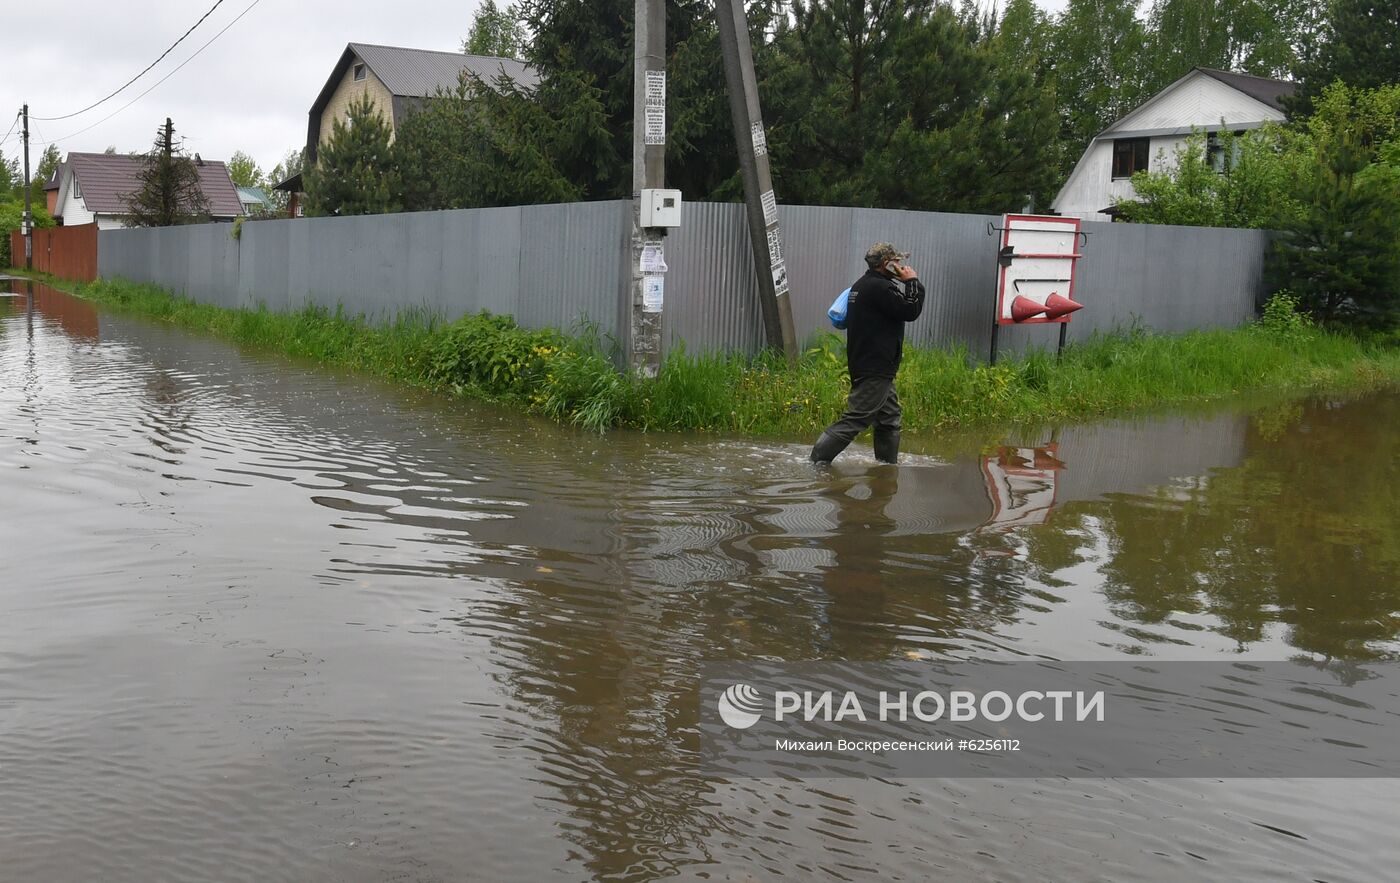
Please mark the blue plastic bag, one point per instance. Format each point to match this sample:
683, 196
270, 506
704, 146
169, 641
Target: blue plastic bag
837, 313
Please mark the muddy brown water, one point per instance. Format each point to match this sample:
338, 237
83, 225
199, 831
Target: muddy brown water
260, 621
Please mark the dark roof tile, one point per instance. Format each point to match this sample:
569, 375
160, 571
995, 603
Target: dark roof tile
107, 179
1263, 89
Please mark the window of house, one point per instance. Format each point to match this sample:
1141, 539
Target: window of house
1129, 155
77, 191
359, 71
1215, 151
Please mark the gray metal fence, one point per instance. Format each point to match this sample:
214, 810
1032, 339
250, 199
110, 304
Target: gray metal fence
555, 265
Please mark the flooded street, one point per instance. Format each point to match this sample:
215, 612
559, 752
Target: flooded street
262, 621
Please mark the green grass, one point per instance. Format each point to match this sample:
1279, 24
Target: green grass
571, 379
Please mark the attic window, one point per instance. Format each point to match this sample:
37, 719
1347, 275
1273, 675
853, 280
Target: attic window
359, 71
1129, 155
77, 191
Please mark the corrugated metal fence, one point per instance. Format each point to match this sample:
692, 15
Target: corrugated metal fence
554, 265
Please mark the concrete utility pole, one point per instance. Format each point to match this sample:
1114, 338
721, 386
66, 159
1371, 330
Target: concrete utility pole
28, 221
765, 235
648, 172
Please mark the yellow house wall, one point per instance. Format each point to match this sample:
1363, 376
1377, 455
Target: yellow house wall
338, 107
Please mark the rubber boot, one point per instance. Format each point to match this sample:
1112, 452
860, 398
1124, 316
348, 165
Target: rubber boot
827, 447
887, 445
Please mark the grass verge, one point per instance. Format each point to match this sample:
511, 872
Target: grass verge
571, 379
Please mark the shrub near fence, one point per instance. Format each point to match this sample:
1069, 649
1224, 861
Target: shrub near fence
66, 252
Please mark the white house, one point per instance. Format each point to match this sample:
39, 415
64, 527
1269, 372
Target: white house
1148, 138
93, 188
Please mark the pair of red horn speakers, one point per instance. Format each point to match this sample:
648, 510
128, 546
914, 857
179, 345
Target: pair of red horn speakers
1055, 306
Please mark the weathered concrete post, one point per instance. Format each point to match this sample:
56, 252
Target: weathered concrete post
765, 235
646, 289
28, 222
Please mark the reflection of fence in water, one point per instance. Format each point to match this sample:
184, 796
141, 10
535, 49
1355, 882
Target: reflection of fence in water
75, 316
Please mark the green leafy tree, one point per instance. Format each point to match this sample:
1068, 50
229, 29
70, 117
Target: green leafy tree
496, 144
1341, 255
1223, 180
11, 218
289, 167
168, 187
1360, 46
1099, 49
11, 180
1256, 37
496, 31
354, 173
244, 170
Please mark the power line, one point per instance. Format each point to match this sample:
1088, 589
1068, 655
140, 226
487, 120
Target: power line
157, 82
12, 129
217, 4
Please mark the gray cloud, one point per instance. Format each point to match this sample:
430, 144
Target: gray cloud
250, 90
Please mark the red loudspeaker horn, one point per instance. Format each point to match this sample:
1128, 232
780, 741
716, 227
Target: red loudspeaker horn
1023, 308
1057, 305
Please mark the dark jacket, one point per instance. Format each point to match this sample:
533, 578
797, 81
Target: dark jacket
875, 321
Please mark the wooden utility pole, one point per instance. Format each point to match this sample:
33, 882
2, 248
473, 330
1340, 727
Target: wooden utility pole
28, 215
647, 286
765, 235
168, 198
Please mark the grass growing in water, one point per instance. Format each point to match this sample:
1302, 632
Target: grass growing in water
571, 378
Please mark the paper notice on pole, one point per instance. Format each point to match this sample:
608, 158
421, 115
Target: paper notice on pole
653, 293
760, 139
656, 125
775, 246
770, 208
780, 279
655, 132
656, 89
653, 257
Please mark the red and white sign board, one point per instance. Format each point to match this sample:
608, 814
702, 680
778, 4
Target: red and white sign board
1035, 272
1022, 484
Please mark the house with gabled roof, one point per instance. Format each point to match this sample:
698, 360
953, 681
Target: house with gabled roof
94, 188
1148, 138
397, 79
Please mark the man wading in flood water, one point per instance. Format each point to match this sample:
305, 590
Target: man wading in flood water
875, 317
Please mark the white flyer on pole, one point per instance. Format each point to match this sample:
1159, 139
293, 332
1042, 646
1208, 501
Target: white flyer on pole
780, 279
653, 257
770, 208
655, 132
775, 246
653, 293
760, 139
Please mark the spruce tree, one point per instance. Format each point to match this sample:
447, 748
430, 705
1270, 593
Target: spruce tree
354, 172
1360, 47
169, 190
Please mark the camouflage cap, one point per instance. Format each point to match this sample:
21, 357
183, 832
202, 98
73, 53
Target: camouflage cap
882, 253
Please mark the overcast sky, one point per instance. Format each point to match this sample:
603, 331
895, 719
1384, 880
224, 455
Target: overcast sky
249, 90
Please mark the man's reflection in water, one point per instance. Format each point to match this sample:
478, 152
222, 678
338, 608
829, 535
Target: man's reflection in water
856, 580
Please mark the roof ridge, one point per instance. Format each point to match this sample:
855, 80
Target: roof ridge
440, 52
1216, 70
